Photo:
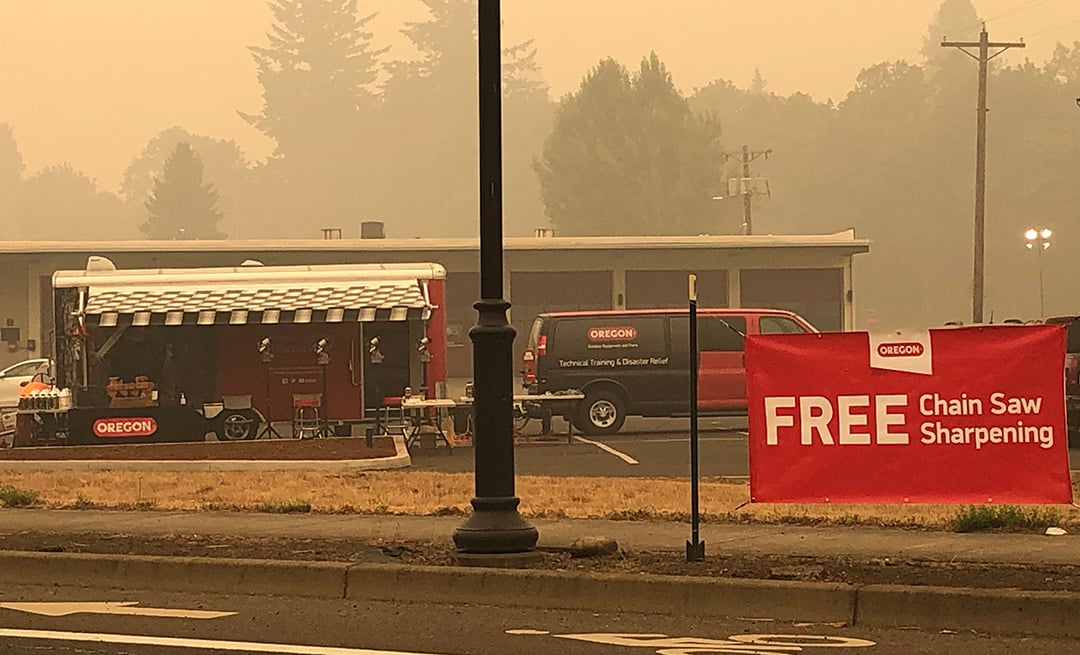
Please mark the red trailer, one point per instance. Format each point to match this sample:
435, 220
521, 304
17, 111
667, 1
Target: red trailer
172, 354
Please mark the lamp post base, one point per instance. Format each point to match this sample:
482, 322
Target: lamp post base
495, 528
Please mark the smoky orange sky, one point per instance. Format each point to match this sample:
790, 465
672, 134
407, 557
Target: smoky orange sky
91, 81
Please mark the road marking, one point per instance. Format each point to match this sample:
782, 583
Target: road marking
608, 449
682, 440
734, 645
201, 644
526, 631
124, 609
803, 641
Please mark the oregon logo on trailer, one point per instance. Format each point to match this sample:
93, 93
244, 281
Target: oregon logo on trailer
125, 427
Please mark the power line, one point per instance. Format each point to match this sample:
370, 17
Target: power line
1016, 9
1056, 27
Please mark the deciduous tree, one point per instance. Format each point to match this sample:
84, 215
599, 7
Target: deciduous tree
627, 156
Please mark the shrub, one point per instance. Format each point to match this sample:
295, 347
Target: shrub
14, 497
292, 507
982, 518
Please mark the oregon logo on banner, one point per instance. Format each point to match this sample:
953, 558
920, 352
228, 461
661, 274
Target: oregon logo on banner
971, 415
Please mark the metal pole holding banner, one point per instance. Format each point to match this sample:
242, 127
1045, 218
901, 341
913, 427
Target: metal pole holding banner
695, 548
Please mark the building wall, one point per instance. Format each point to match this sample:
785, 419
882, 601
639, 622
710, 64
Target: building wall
816, 294
15, 308
536, 280
664, 289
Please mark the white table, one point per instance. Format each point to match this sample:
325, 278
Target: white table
416, 407
545, 400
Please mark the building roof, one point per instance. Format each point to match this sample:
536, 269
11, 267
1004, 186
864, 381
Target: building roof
845, 240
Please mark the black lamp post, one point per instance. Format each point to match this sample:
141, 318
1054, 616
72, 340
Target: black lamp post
495, 527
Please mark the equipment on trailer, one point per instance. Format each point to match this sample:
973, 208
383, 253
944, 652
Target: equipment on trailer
152, 355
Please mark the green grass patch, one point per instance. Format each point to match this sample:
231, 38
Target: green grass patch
15, 497
1004, 518
292, 507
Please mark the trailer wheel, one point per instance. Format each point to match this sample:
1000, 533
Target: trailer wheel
237, 425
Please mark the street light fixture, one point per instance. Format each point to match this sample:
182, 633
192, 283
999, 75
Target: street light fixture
1038, 239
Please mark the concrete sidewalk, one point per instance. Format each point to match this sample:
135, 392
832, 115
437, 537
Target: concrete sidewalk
858, 542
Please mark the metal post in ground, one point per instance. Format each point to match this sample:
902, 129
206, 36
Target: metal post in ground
695, 548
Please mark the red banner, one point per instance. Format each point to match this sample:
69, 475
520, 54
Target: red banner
967, 415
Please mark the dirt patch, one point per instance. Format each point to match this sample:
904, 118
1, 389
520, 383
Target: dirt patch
717, 564
428, 493
261, 449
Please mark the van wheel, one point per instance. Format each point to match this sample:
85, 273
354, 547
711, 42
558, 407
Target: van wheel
602, 412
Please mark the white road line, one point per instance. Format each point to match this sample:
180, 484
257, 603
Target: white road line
608, 449
683, 440
202, 644
126, 608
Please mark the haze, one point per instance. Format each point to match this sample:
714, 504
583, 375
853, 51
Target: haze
92, 82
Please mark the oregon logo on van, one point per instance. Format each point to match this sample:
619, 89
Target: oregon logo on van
906, 349
125, 427
627, 333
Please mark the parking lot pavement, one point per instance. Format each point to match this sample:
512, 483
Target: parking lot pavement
657, 448
644, 448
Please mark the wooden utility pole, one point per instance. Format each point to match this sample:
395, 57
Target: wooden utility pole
984, 45
747, 220
745, 186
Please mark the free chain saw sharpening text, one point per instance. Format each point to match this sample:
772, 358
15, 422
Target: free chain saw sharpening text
1018, 420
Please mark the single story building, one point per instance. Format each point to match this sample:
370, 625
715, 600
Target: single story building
807, 274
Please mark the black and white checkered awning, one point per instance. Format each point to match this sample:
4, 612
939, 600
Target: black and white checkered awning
376, 300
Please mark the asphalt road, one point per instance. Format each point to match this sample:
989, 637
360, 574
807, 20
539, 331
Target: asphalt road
660, 448
283, 625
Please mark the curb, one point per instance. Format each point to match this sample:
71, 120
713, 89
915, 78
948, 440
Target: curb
399, 460
1045, 613
1030, 613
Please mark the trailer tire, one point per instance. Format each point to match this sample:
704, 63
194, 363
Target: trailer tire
237, 425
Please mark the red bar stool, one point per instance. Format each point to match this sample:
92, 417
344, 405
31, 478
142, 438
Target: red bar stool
391, 417
307, 415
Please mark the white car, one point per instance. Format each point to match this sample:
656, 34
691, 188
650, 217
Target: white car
12, 377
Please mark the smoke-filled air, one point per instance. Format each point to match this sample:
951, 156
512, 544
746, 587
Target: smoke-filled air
256, 119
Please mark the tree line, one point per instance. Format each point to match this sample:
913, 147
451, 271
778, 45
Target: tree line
361, 136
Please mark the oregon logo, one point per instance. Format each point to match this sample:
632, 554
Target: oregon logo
909, 349
125, 427
628, 333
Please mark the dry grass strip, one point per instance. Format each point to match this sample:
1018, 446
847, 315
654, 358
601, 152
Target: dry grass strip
428, 493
